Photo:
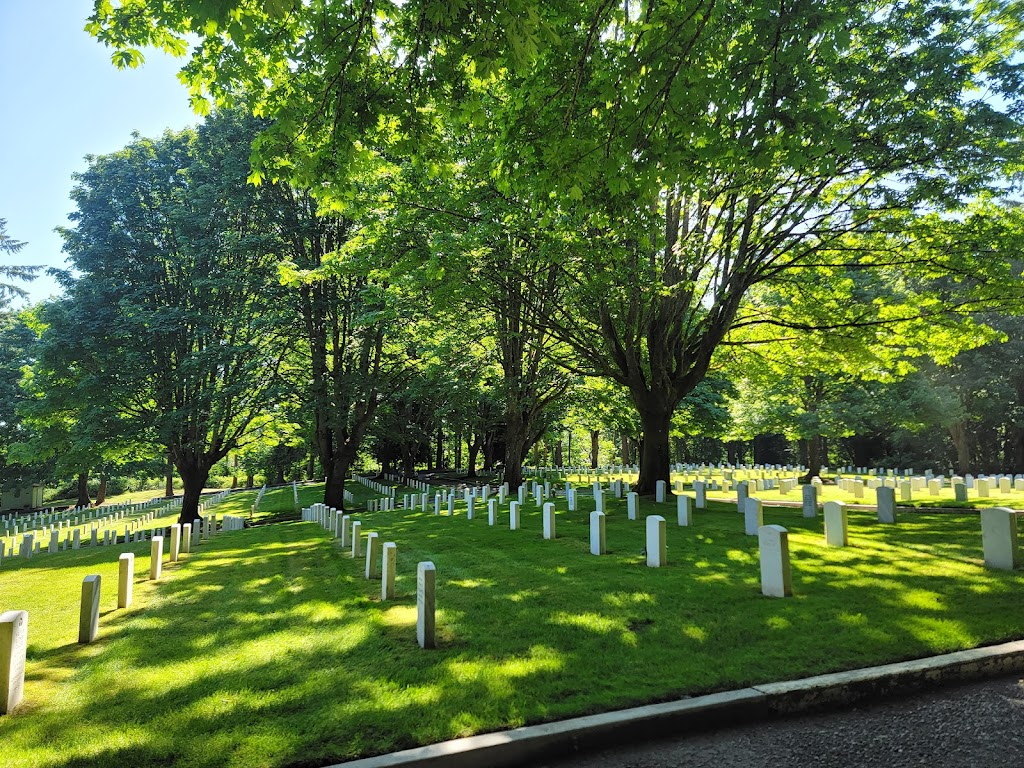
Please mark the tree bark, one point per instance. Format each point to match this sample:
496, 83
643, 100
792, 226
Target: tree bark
475, 444
250, 480
962, 442
595, 447
439, 461
193, 476
654, 449
101, 494
83, 489
814, 445
169, 478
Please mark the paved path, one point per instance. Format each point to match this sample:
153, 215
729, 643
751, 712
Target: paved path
980, 725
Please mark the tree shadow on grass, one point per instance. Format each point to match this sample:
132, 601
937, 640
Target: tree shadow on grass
270, 648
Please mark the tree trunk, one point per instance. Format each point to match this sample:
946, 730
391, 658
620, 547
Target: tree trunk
516, 441
101, 494
194, 477
169, 478
439, 461
595, 447
962, 443
654, 450
311, 465
558, 453
625, 448
83, 489
234, 482
458, 451
337, 473
250, 480
814, 445
474, 450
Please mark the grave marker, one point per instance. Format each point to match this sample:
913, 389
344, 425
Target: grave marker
89, 613
656, 546
156, 556
426, 581
549, 521
773, 547
999, 538
597, 537
513, 516
125, 579
632, 504
683, 509
13, 650
387, 586
836, 528
753, 516
372, 555
357, 547
886, 504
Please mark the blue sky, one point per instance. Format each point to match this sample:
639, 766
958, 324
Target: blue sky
61, 100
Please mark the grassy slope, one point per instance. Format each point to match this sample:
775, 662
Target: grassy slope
268, 647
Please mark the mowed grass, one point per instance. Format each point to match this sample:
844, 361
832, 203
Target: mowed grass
268, 647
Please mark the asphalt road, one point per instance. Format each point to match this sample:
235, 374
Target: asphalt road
980, 725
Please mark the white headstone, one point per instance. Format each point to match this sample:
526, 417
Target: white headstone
387, 586
999, 538
89, 613
632, 505
810, 499
549, 521
836, 529
700, 491
425, 603
659, 492
683, 509
372, 555
175, 542
597, 538
13, 650
753, 516
156, 557
886, 504
513, 516
125, 579
357, 538
773, 546
656, 546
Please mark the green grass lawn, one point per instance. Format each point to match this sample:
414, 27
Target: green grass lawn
267, 647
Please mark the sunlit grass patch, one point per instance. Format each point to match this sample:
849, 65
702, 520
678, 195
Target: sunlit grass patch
268, 647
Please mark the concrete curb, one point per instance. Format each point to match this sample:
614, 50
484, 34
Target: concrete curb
535, 743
